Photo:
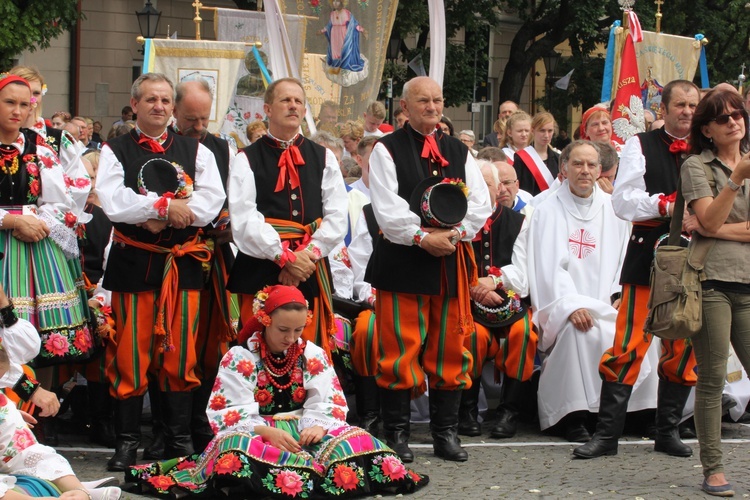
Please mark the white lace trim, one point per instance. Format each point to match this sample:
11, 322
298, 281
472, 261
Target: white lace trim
306, 422
43, 463
64, 236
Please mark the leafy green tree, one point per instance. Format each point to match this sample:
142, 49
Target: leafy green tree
32, 25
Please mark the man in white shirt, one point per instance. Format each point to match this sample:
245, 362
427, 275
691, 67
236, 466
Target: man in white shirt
420, 275
288, 204
159, 189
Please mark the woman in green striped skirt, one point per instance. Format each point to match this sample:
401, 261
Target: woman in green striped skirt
36, 221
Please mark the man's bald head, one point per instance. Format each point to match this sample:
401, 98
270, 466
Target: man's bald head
508, 186
491, 178
192, 108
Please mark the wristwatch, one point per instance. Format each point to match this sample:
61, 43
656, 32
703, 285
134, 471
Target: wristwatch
733, 185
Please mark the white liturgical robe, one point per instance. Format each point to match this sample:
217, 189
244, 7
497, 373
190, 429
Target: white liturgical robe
576, 250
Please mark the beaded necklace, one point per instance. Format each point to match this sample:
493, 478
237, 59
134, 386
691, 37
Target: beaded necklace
279, 367
9, 154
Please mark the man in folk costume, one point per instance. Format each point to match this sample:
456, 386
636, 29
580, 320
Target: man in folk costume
422, 275
192, 112
644, 194
504, 331
159, 189
289, 209
577, 247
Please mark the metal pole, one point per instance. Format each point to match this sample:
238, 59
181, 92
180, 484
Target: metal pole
389, 100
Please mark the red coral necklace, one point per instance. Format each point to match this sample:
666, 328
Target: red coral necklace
278, 367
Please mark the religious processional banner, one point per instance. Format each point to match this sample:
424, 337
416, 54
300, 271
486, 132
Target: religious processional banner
345, 47
661, 58
248, 27
216, 62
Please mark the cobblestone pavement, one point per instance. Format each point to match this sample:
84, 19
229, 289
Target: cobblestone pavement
532, 465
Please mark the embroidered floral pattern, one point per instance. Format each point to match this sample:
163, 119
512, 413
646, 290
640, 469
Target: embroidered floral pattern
288, 482
74, 342
343, 477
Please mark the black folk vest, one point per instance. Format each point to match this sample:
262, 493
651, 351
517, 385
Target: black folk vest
132, 270
493, 247
302, 205
409, 269
662, 176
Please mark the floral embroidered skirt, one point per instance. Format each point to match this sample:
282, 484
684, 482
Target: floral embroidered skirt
47, 289
347, 462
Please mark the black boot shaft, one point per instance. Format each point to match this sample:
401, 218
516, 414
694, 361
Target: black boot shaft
613, 407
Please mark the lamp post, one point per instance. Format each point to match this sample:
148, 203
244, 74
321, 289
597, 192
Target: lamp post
551, 60
148, 21
394, 46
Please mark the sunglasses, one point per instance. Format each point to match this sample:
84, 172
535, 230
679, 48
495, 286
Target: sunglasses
736, 115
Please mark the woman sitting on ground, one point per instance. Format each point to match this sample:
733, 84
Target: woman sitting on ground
280, 420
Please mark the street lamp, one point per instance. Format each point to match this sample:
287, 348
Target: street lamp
148, 20
551, 60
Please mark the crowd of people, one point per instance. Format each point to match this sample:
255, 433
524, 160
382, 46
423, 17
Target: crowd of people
248, 291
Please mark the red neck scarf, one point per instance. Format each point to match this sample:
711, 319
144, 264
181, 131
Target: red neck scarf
151, 144
431, 152
290, 159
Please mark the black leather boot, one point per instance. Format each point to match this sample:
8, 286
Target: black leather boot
177, 412
468, 411
575, 427
128, 430
200, 428
155, 449
368, 403
444, 425
101, 406
47, 431
396, 411
507, 423
613, 407
669, 405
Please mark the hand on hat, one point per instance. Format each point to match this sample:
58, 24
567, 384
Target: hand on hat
438, 242
29, 229
484, 293
180, 214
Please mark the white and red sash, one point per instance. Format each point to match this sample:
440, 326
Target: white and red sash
509, 153
536, 166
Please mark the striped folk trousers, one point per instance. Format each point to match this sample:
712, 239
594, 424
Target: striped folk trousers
418, 337
513, 355
136, 350
622, 362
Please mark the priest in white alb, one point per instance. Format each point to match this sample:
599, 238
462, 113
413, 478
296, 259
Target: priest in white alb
576, 249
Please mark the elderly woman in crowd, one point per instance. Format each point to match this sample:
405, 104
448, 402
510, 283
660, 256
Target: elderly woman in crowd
715, 189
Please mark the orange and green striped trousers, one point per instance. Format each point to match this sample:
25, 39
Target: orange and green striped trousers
513, 355
419, 338
136, 350
622, 362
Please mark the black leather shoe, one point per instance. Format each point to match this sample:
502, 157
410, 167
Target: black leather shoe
468, 411
444, 425
396, 411
612, 410
128, 430
669, 405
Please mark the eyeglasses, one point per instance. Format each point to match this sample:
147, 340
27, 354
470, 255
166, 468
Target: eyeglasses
736, 115
508, 183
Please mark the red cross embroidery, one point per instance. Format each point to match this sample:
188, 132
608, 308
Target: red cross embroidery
581, 243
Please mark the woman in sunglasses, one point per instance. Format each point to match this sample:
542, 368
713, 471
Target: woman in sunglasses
716, 192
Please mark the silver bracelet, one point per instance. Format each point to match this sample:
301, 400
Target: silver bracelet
83, 490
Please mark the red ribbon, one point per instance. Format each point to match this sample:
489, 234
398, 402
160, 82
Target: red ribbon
430, 151
678, 146
290, 159
154, 146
